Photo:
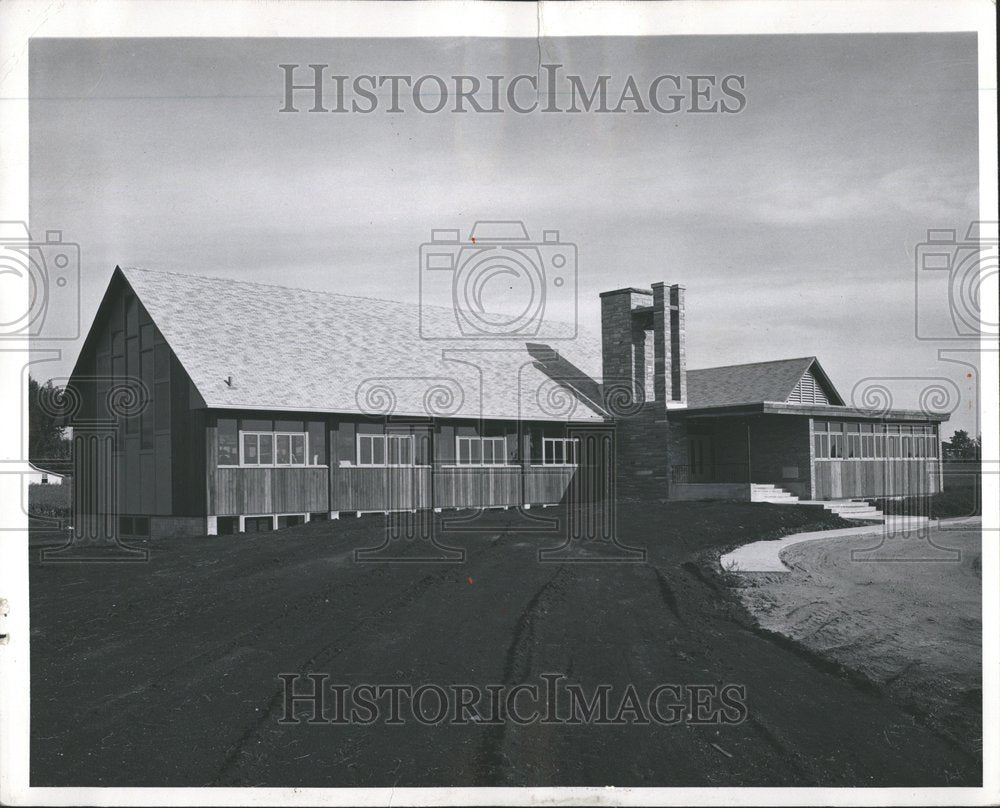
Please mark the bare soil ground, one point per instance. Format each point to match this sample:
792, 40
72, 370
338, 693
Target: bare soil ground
165, 672
912, 625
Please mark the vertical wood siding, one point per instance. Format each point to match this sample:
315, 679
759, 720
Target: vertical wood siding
843, 479
268, 490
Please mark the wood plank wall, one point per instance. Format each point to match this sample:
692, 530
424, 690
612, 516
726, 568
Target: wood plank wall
843, 479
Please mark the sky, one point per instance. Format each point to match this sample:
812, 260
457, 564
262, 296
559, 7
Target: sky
793, 224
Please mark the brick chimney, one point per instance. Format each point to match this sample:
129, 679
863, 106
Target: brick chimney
642, 338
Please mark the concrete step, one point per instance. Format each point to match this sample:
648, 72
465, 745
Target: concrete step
767, 492
857, 510
848, 508
873, 516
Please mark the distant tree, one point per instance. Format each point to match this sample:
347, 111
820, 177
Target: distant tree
965, 447
47, 443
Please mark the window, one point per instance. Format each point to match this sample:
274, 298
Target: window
161, 401
822, 446
837, 446
317, 443
474, 451
385, 450
559, 451
853, 444
867, 446
272, 449
289, 449
161, 361
399, 449
228, 442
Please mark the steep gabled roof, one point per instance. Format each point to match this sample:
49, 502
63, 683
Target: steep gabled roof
755, 382
296, 349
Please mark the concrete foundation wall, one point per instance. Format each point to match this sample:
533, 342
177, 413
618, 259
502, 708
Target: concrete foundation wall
166, 526
693, 491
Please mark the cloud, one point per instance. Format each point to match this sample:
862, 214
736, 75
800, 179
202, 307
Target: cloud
931, 192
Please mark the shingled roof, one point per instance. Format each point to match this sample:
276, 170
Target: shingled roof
753, 383
302, 350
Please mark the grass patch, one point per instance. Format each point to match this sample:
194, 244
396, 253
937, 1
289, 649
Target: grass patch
948, 504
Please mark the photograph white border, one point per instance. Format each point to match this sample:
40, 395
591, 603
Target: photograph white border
21, 20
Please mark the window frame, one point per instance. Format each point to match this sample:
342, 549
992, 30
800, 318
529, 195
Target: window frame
384, 439
846, 440
493, 440
274, 435
566, 443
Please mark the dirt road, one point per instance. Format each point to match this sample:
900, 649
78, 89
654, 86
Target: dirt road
165, 673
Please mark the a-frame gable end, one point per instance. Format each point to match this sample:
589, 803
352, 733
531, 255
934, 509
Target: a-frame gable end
814, 387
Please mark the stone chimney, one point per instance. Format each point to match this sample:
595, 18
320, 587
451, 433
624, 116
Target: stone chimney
642, 340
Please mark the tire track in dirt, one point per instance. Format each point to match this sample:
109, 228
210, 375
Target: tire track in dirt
489, 758
667, 594
236, 640
323, 654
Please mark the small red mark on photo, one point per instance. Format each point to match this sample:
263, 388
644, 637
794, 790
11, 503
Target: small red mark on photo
473, 241
470, 580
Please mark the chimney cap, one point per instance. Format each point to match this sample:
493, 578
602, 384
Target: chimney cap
627, 290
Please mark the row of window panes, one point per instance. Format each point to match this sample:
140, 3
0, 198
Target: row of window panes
480, 451
273, 449
266, 442
560, 451
843, 427
257, 442
865, 446
385, 450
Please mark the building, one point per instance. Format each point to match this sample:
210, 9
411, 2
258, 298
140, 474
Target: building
40, 476
261, 407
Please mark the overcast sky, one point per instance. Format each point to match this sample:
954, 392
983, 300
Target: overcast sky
793, 224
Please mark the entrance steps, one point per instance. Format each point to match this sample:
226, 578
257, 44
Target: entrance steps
853, 509
765, 492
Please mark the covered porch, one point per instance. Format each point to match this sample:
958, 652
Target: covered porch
725, 454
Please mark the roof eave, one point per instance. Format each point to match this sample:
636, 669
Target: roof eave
815, 410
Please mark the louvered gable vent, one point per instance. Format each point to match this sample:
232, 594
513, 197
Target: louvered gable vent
808, 390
